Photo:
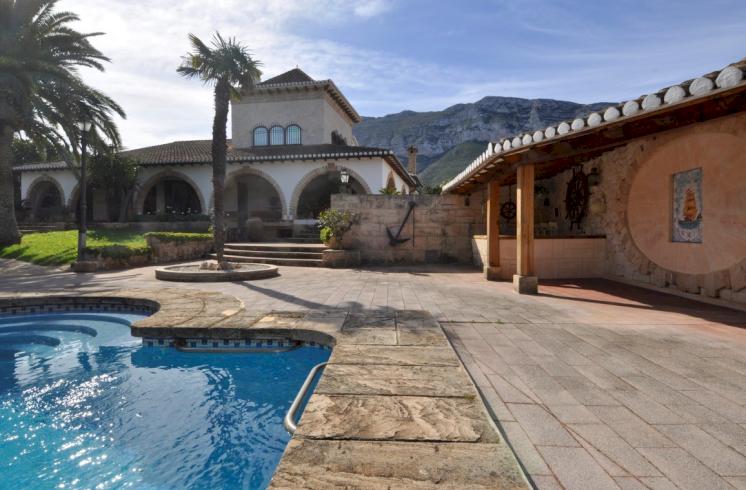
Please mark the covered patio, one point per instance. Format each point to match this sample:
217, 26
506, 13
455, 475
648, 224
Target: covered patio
596, 197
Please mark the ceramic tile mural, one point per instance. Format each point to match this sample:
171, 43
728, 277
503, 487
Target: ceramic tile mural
687, 206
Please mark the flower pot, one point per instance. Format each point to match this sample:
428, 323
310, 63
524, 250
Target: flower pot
333, 243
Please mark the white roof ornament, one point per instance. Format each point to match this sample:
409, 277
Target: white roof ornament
577, 124
729, 77
674, 94
550, 132
516, 143
594, 119
651, 101
506, 145
630, 108
538, 136
611, 114
490, 149
563, 128
527, 139
700, 86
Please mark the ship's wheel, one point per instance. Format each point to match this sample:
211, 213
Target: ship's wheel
508, 209
576, 197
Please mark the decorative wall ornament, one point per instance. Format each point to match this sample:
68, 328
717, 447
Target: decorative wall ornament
687, 206
508, 209
576, 197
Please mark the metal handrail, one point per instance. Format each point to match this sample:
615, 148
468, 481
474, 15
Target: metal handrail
289, 421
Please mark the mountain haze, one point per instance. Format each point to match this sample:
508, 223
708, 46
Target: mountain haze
436, 133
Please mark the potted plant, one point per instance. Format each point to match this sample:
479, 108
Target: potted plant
333, 225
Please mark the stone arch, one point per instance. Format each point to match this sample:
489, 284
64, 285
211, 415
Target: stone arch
391, 181
233, 176
145, 188
36, 185
293, 207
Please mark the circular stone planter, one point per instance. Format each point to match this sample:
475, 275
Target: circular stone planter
193, 273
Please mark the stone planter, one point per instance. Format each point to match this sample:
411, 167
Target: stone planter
163, 251
194, 273
340, 259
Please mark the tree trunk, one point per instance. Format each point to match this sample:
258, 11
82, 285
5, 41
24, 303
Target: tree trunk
219, 150
8, 226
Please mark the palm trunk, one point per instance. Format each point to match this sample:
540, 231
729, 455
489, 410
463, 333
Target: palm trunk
219, 150
8, 227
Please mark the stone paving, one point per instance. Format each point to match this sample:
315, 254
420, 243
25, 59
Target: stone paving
595, 384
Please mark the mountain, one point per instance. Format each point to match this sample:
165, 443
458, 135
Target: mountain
489, 119
451, 162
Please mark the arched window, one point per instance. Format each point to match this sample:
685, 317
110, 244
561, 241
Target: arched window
293, 135
277, 135
260, 136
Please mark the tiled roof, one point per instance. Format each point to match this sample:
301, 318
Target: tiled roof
200, 151
296, 75
727, 78
59, 165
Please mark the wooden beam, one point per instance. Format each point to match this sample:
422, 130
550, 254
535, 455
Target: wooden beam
492, 268
525, 281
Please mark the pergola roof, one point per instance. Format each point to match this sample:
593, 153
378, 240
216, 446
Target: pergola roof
569, 143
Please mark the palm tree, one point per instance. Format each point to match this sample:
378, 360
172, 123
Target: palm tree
41, 93
228, 66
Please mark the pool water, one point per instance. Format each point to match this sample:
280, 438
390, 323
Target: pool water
84, 405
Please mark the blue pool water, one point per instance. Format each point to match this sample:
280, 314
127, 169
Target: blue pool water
84, 405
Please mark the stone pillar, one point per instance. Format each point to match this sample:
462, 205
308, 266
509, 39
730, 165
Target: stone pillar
492, 268
160, 198
525, 280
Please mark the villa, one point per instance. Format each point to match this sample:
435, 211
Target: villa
292, 141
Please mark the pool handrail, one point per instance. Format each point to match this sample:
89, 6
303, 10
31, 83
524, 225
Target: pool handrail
289, 421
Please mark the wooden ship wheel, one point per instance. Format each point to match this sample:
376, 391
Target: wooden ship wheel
576, 197
508, 209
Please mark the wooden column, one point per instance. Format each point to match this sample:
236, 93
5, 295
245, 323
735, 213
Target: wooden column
492, 267
525, 280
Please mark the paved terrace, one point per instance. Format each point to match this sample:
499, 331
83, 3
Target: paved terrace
595, 384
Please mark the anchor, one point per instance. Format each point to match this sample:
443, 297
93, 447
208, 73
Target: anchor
394, 240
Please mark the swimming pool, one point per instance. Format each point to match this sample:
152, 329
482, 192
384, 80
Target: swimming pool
85, 405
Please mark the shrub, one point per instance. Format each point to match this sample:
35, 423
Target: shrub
172, 217
178, 237
389, 191
334, 224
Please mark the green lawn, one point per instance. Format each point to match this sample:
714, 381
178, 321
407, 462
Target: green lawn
60, 247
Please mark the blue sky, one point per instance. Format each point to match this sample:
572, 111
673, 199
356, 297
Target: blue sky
392, 55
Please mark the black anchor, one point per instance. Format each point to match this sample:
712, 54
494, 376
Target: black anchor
395, 240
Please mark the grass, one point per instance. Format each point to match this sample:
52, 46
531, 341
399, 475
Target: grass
60, 247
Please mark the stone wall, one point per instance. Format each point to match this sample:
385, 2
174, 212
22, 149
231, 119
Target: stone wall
439, 229
173, 251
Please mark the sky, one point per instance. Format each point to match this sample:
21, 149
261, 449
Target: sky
393, 55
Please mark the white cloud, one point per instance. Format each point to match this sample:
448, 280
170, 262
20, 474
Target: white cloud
146, 38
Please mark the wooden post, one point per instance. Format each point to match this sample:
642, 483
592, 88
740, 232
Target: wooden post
492, 268
525, 280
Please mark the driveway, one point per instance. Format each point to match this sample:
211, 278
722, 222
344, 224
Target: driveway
595, 384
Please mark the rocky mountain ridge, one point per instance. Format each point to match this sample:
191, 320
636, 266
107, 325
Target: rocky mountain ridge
489, 119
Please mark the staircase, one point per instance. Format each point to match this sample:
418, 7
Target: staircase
307, 234
291, 254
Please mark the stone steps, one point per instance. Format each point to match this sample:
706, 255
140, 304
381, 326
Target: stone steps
288, 254
280, 254
273, 260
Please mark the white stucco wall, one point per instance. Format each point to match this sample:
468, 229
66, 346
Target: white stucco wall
65, 178
290, 177
314, 112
